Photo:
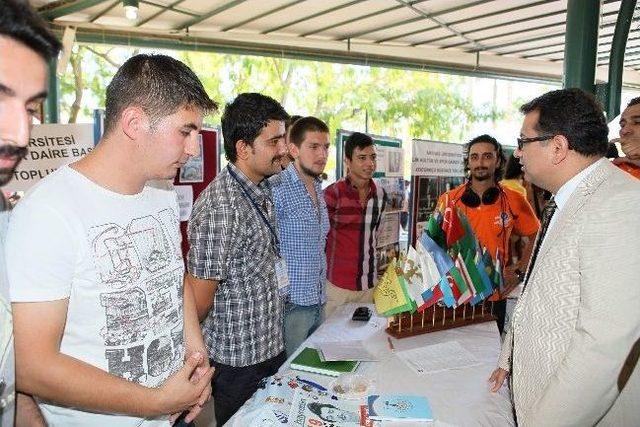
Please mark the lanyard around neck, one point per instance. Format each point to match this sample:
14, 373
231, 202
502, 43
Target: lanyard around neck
257, 208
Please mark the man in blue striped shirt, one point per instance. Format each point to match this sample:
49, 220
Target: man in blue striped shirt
303, 223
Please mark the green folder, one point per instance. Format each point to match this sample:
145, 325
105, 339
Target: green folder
309, 360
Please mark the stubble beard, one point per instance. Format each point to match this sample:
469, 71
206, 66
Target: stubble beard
308, 171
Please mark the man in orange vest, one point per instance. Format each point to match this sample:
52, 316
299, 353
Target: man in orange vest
494, 211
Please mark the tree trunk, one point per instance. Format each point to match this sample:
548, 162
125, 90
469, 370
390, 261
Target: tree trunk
76, 66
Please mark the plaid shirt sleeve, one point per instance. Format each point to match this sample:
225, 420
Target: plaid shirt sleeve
331, 201
210, 232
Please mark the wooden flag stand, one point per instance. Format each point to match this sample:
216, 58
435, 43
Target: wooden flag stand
437, 318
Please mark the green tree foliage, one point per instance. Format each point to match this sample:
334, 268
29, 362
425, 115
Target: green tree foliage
395, 102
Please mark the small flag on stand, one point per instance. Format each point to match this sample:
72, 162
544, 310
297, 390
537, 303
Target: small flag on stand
451, 225
388, 295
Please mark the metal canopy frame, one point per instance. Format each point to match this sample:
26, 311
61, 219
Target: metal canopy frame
503, 38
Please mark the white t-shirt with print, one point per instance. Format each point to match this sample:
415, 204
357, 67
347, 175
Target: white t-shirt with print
7, 375
117, 258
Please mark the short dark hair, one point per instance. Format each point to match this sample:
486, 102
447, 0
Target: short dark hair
245, 117
513, 169
291, 120
489, 140
356, 139
304, 125
576, 115
634, 101
20, 22
158, 84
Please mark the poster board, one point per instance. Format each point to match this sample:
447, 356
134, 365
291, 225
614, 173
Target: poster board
436, 167
195, 176
389, 175
50, 146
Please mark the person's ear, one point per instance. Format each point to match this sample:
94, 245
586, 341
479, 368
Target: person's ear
293, 149
134, 122
243, 149
559, 148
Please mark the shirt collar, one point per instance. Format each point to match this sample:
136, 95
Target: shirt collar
372, 185
259, 190
567, 189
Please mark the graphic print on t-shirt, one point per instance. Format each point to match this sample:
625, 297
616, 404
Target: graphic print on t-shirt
140, 266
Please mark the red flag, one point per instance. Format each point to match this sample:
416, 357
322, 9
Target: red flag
451, 225
435, 297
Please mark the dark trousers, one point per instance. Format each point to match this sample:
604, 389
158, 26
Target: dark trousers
232, 386
500, 311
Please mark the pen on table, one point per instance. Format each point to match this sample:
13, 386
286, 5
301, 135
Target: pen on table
312, 384
391, 347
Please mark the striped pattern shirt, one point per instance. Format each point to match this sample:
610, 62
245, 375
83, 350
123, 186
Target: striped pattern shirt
353, 235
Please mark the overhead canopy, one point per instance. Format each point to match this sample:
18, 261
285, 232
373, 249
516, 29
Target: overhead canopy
515, 38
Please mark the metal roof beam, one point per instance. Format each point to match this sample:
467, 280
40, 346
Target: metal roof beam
103, 11
409, 21
486, 15
442, 24
262, 15
491, 27
517, 42
175, 9
603, 48
548, 36
314, 15
208, 15
160, 12
60, 8
358, 18
182, 42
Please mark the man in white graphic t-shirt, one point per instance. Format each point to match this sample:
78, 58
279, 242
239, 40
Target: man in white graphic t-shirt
105, 333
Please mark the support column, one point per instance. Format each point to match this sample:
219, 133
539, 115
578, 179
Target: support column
51, 107
581, 44
616, 58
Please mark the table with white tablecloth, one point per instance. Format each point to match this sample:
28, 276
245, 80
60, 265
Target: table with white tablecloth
459, 397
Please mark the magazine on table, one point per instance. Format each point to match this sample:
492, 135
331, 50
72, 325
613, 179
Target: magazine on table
310, 410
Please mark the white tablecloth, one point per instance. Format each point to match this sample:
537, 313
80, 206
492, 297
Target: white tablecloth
458, 397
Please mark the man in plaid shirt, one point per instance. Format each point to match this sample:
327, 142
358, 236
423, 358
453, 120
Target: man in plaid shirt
234, 264
303, 223
355, 204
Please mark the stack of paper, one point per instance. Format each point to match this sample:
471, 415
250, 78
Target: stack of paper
437, 358
344, 350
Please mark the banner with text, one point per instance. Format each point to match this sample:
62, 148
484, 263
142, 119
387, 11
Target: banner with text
50, 146
436, 167
432, 158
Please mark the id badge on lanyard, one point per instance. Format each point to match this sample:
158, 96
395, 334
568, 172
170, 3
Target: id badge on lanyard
282, 276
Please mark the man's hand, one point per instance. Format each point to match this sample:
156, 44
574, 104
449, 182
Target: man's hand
511, 280
202, 370
184, 390
497, 379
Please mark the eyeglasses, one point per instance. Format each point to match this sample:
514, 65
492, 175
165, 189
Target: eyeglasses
522, 141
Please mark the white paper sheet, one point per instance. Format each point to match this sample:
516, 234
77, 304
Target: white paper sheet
437, 358
345, 350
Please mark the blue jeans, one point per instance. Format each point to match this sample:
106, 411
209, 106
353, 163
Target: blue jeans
299, 322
